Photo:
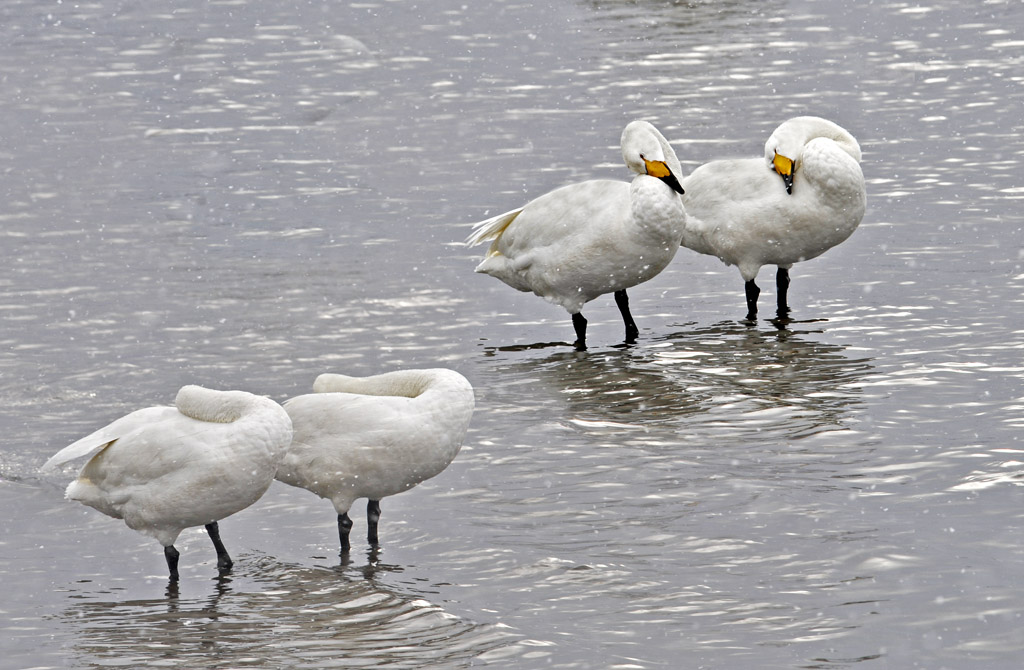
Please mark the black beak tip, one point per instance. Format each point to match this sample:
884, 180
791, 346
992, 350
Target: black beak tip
674, 184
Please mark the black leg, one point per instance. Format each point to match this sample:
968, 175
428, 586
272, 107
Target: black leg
344, 527
372, 519
224, 561
752, 292
622, 301
580, 325
782, 288
171, 554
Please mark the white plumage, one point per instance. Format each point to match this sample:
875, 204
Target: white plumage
372, 437
164, 469
804, 197
594, 237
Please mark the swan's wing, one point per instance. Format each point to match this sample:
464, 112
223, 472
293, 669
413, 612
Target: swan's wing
731, 206
727, 190
556, 215
568, 219
491, 228
92, 444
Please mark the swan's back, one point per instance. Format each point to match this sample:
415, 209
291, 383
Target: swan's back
712, 189
163, 469
376, 436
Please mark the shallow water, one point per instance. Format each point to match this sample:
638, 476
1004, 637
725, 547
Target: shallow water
248, 194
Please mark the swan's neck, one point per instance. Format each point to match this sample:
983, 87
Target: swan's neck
790, 138
657, 209
400, 383
205, 404
846, 142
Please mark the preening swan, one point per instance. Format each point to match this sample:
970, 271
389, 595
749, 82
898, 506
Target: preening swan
371, 437
164, 469
594, 237
803, 198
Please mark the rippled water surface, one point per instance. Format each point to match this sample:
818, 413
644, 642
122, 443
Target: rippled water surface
246, 194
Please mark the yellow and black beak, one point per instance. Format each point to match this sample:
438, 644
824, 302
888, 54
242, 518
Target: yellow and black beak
784, 166
661, 170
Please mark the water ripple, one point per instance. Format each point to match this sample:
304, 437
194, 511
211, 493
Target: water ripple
272, 614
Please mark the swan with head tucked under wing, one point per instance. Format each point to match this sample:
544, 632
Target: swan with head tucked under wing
594, 237
371, 437
164, 469
804, 197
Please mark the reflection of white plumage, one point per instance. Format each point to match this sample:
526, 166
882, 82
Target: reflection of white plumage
164, 469
804, 197
595, 237
371, 437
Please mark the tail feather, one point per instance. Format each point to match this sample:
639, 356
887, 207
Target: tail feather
85, 447
492, 228
92, 444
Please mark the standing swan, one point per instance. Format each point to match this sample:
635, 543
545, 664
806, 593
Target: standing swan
371, 437
806, 196
165, 469
595, 237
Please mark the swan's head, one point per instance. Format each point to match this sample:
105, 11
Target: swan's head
782, 150
646, 151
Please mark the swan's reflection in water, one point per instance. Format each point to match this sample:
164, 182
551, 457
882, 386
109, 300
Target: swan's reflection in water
782, 381
620, 445
271, 614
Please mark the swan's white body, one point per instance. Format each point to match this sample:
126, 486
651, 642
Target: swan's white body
595, 237
372, 437
164, 469
740, 210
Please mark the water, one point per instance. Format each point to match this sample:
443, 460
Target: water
248, 194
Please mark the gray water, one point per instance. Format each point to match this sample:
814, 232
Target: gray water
247, 194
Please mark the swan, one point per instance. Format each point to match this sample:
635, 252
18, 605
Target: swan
164, 469
594, 237
806, 196
372, 437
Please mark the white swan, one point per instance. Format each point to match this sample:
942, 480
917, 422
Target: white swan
804, 197
371, 437
164, 469
594, 237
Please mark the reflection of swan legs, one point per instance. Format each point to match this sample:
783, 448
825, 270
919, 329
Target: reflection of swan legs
752, 292
580, 325
372, 519
782, 287
172, 596
171, 554
622, 301
224, 561
344, 527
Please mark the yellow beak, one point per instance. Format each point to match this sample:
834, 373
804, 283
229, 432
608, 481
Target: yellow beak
784, 166
661, 170
657, 169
